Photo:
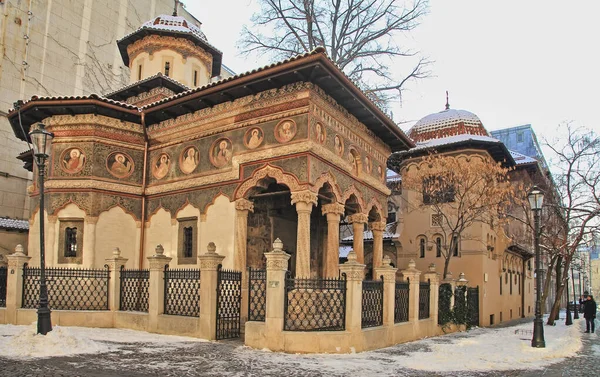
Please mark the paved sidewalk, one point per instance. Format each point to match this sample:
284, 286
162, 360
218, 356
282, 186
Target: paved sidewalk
230, 358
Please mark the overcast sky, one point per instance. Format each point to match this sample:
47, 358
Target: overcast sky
511, 62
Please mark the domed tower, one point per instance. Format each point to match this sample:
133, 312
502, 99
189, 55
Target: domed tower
173, 46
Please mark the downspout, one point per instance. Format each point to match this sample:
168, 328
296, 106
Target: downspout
523, 275
143, 216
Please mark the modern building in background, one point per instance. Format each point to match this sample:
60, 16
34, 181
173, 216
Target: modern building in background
57, 48
521, 139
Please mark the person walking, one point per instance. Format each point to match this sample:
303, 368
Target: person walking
589, 313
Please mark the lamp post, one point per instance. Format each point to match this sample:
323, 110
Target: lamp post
575, 303
536, 200
568, 319
41, 140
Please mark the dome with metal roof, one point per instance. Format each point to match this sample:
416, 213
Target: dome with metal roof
449, 122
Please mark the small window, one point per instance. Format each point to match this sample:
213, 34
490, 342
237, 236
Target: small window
139, 72
70, 242
187, 240
501, 284
520, 137
454, 246
511, 285
167, 68
436, 219
422, 248
195, 78
438, 247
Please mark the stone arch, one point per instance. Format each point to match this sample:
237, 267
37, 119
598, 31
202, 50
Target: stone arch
327, 177
220, 194
352, 190
376, 207
118, 205
182, 207
65, 205
268, 171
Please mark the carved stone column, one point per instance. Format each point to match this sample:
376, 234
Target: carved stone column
89, 241
377, 228
358, 221
389, 290
434, 291
277, 265
332, 258
114, 266
355, 273
242, 208
412, 275
304, 201
14, 283
156, 289
209, 264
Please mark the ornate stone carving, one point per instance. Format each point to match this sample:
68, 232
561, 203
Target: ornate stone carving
329, 178
305, 196
333, 208
359, 218
277, 259
244, 205
378, 226
271, 172
92, 184
352, 190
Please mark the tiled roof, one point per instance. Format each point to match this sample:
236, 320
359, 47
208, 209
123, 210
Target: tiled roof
73, 98
447, 123
521, 159
138, 83
174, 23
388, 234
452, 140
13, 224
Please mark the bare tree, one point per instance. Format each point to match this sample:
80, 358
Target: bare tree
360, 36
461, 192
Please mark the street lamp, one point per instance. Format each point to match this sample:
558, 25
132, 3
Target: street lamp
575, 303
536, 200
41, 140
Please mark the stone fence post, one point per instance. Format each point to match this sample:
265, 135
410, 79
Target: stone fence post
434, 292
412, 275
277, 265
450, 280
209, 266
355, 274
14, 283
114, 289
388, 273
156, 289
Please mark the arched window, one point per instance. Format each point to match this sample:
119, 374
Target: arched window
422, 248
70, 242
438, 247
454, 246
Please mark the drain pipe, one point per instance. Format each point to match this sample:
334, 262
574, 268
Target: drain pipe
143, 216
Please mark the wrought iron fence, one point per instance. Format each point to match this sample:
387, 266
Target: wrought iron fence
473, 306
134, 285
229, 303
401, 302
182, 292
444, 304
68, 288
424, 292
372, 303
315, 304
3, 278
257, 295
460, 305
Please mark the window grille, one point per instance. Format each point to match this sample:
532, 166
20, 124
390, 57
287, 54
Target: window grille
422, 248
167, 68
438, 247
188, 239
195, 80
436, 219
70, 242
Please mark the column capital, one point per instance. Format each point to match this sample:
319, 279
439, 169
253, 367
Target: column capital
358, 218
18, 258
354, 271
305, 196
210, 260
277, 259
333, 209
243, 204
158, 260
377, 226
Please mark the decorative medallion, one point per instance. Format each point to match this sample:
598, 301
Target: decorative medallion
320, 133
189, 159
354, 160
72, 160
160, 166
338, 145
254, 138
380, 172
285, 130
119, 164
221, 152
368, 165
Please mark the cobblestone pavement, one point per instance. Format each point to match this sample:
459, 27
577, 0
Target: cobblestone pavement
231, 358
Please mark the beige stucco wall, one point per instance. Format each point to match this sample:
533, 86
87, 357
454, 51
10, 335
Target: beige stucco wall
158, 232
181, 69
115, 228
219, 228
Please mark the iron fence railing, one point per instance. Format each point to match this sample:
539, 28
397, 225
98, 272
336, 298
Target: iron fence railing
182, 292
460, 305
315, 304
401, 302
372, 303
472, 306
424, 293
229, 303
257, 295
445, 304
134, 285
68, 288
3, 278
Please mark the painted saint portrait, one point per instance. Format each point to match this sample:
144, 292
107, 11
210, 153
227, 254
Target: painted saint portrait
161, 165
353, 159
338, 145
254, 138
379, 171
188, 160
72, 160
221, 153
320, 133
285, 131
368, 164
119, 164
